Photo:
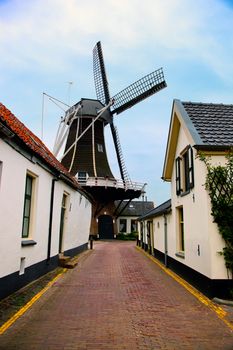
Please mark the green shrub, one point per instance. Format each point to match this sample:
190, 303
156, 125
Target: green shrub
219, 184
127, 236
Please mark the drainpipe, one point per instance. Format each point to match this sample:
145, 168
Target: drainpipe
144, 235
51, 219
165, 239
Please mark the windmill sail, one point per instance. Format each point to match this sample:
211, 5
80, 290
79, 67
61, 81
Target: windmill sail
100, 77
138, 91
124, 174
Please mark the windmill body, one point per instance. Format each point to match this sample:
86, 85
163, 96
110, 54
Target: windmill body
85, 154
90, 156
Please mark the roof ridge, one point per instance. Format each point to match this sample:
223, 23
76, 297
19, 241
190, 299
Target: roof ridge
208, 103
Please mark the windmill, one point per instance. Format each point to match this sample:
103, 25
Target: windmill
85, 156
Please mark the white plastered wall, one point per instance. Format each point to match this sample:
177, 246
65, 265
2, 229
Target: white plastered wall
202, 240
77, 218
12, 188
128, 222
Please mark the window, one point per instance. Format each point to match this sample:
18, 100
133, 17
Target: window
27, 211
184, 171
133, 225
82, 176
178, 178
100, 147
180, 216
123, 226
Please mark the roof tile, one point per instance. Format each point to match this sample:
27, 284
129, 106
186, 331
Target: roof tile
213, 122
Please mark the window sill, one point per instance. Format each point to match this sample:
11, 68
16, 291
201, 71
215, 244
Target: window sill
28, 242
180, 255
185, 193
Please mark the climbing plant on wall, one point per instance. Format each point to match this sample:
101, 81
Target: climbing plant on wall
219, 184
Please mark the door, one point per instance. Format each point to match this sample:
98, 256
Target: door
150, 237
105, 227
62, 221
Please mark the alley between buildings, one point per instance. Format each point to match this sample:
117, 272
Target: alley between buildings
117, 298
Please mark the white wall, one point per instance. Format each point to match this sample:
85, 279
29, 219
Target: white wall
198, 222
159, 232
12, 188
128, 222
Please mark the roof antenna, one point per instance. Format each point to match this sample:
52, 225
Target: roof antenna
42, 117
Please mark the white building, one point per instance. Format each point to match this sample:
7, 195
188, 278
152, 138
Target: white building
44, 213
185, 236
128, 213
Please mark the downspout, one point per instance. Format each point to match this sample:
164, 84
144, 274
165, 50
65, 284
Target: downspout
51, 219
144, 235
165, 240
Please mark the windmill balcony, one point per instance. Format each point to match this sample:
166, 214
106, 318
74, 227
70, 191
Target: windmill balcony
111, 182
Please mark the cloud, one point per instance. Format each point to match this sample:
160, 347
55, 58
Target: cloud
48, 32
45, 43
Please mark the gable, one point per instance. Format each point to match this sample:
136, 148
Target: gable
179, 120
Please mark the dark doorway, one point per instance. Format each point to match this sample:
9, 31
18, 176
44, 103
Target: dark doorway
105, 227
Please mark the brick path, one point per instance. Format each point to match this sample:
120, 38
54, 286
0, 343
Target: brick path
116, 298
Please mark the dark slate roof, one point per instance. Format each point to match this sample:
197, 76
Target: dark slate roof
135, 208
29, 140
213, 122
161, 209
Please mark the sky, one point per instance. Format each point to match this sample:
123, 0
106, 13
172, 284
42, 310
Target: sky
46, 44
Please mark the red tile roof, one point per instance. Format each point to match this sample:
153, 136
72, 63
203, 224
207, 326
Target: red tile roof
33, 142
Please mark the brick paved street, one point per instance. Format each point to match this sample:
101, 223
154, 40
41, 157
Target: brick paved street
117, 298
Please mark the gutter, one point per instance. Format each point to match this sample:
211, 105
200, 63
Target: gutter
220, 148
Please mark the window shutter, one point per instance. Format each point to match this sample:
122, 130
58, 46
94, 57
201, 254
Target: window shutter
178, 178
191, 168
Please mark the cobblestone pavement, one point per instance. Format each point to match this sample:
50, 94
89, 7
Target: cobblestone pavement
116, 299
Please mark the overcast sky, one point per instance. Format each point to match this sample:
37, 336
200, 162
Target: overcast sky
44, 44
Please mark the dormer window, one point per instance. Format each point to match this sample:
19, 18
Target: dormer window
184, 171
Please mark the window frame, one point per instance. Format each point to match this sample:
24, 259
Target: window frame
28, 206
82, 177
180, 232
132, 223
184, 168
100, 147
124, 223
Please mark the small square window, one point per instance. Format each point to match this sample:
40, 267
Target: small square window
100, 147
82, 176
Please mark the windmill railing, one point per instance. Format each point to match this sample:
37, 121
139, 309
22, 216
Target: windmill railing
109, 182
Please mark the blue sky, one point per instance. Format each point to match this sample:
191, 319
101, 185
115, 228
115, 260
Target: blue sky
44, 44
